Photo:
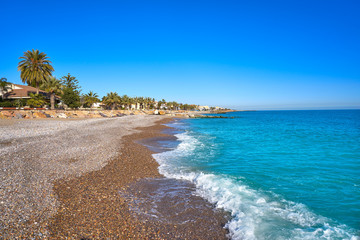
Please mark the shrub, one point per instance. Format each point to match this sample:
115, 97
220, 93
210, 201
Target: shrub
7, 104
36, 100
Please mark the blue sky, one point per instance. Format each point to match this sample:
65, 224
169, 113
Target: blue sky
239, 54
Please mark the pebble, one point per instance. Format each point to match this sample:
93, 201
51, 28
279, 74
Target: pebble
36, 153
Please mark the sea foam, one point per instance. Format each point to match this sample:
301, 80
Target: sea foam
255, 214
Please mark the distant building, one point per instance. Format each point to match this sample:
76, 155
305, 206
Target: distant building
133, 107
96, 105
163, 106
204, 108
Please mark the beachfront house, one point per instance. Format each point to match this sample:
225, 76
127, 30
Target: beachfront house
17, 91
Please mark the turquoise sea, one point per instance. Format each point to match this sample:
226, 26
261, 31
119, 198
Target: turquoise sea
281, 174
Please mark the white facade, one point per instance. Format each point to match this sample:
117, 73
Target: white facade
96, 105
204, 108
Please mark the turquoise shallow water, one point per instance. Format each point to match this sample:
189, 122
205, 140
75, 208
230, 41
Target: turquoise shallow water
281, 174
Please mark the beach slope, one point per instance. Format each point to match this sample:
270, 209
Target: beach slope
64, 179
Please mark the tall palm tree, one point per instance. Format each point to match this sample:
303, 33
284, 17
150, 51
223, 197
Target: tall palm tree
35, 67
137, 101
125, 100
112, 99
91, 98
52, 86
4, 86
141, 102
146, 102
151, 102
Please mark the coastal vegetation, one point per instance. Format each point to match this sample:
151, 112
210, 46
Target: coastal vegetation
111, 100
71, 91
54, 87
90, 99
35, 68
36, 71
4, 86
36, 100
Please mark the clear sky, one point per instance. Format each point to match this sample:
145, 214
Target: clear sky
240, 54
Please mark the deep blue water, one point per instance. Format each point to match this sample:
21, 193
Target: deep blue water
281, 174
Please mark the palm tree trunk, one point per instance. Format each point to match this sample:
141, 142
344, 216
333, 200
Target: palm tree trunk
37, 88
52, 101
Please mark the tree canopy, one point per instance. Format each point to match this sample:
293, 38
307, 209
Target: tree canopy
112, 100
70, 82
71, 91
4, 86
36, 100
52, 86
90, 98
34, 67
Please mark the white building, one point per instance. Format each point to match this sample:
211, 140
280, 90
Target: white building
204, 108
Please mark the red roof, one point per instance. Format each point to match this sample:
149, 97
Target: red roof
24, 92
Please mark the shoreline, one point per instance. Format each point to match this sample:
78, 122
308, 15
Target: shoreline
97, 208
9, 114
72, 181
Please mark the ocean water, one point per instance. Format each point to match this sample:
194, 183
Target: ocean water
281, 174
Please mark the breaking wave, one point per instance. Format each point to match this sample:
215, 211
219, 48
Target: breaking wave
255, 214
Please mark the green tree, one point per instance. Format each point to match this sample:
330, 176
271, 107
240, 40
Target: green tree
141, 101
169, 105
71, 91
111, 100
148, 102
52, 86
152, 104
175, 105
71, 98
90, 99
125, 100
36, 100
34, 67
20, 102
186, 107
4, 86
70, 82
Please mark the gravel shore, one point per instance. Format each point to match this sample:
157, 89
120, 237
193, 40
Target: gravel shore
70, 180
35, 153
